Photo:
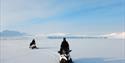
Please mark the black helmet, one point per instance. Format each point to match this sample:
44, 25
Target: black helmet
64, 39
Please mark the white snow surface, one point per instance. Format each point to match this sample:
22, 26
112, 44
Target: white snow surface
83, 51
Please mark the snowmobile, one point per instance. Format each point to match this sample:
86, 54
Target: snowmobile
65, 56
33, 46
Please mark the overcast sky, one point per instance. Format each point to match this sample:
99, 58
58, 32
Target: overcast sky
65, 16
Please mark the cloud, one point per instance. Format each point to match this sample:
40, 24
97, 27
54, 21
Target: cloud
20, 10
30, 15
116, 35
14, 11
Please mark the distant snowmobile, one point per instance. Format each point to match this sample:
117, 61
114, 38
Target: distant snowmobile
64, 57
33, 45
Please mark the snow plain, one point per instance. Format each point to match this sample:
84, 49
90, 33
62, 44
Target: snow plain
83, 51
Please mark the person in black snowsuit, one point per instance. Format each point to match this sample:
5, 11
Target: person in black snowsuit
33, 44
64, 46
65, 52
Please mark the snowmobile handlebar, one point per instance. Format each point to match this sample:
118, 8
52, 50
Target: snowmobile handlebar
65, 51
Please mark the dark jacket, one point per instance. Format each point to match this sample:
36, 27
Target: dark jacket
33, 42
64, 45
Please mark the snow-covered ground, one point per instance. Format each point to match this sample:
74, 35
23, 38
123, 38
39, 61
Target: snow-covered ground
83, 51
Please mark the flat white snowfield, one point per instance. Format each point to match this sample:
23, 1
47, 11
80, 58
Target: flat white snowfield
17, 51
83, 51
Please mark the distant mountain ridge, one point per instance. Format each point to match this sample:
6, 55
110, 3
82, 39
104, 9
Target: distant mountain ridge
115, 35
9, 33
17, 34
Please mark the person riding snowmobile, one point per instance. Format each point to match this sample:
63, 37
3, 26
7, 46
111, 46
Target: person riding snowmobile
64, 46
65, 52
33, 44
